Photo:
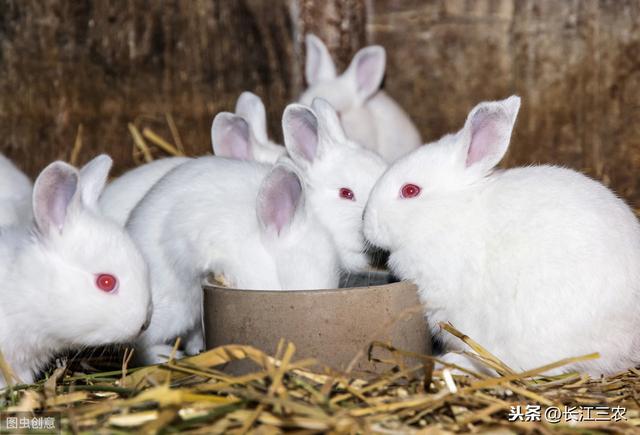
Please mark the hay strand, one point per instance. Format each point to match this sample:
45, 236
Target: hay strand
160, 142
282, 394
77, 147
139, 142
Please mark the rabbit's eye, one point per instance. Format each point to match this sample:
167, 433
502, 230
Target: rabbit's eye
409, 191
106, 282
346, 193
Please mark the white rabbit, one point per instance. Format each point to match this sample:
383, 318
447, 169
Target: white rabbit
339, 175
535, 263
245, 220
73, 279
15, 194
242, 136
122, 194
368, 115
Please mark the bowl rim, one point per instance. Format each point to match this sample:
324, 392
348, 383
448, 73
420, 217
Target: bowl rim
210, 287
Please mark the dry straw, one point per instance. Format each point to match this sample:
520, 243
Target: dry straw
144, 152
194, 395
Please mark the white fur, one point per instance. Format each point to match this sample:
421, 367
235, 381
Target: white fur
368, 115
15, 195
49, 300
122, 194
206, 217
328, 161
536, 263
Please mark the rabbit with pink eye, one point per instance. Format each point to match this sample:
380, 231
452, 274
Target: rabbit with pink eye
242, 136
72, 279
247, 221
339, 174
369, 116
536, 263
15, 194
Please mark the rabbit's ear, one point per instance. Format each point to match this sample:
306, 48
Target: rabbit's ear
250, 107
301, 133
366, 71
487, 132
230, 137
278, 199
310, 132
53, 192
328, 118
319, 66
93, 177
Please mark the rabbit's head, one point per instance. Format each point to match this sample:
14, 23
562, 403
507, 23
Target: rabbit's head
339, 175
350, 90
94, 279
425, 189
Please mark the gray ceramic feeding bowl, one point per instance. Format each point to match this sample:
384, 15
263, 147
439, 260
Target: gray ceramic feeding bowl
333, 326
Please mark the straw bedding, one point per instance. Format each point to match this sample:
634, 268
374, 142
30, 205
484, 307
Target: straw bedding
194, 395
283, 394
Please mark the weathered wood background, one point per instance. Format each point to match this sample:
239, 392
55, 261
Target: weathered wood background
102, 64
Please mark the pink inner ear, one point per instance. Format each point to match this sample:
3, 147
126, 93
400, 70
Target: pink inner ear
280, 196
365, 73
53, 193
369, 71
234, 140
59, 202
304, 133
484, 137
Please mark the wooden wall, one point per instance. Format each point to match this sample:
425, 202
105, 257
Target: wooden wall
100, 64
576, 65
104, 64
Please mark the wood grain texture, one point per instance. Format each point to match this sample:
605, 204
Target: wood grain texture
104, 64
340, 24
576, 65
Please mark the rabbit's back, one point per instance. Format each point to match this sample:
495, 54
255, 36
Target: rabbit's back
200, 213
561, 252
122, 194
561, 216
